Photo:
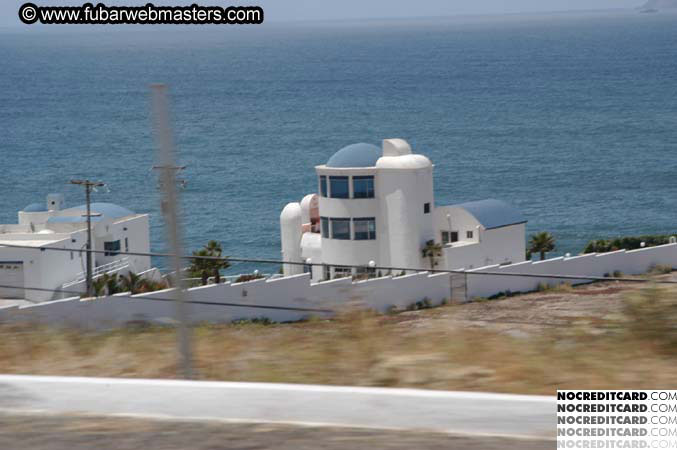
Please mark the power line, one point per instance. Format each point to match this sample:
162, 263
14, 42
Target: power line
382, 268
197, 302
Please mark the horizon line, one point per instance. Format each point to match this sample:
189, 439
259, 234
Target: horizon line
20, 25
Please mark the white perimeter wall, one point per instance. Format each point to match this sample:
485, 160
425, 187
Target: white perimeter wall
593, 264
296, 291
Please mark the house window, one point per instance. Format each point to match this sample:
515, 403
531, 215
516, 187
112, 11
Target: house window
127, 244
426, 208
469, 234
340, 229
111, 248
365, 229
338, 187
342, 272
449, 236
323, 185
325, 227
363, 187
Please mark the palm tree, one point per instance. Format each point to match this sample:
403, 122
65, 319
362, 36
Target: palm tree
99, 286
112, 283
542, 243
202, 268
131, 282
432, 251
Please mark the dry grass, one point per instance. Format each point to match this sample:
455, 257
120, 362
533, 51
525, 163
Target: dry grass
415, 349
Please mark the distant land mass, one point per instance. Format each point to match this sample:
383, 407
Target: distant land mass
658, 4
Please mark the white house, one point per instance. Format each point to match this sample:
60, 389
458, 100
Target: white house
376, 208
50, 225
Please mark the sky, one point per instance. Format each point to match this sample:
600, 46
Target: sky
310, 10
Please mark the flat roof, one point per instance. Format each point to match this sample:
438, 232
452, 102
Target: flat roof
30, 242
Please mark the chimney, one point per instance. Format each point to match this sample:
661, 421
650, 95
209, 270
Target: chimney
55, 202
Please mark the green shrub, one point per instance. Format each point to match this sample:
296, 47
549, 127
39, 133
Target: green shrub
660, 269
626, 243
254, 321
248, 277
543, 287
502, 294
421, 304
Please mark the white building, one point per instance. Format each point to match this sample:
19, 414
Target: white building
43, 226
376, 208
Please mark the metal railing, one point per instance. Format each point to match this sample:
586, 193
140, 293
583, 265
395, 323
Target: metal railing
99, 270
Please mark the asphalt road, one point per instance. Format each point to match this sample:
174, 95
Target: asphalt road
44, 432
461, 413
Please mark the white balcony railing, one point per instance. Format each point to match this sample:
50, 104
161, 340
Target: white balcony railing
99, 270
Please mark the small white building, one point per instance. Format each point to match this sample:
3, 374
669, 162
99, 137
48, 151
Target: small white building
376, 207
50, 225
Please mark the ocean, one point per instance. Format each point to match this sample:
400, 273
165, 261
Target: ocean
572, 118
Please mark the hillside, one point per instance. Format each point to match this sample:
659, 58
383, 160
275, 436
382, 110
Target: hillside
604, 335
659, 4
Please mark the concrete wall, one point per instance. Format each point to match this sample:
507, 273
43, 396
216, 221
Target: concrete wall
296, 291
594, 264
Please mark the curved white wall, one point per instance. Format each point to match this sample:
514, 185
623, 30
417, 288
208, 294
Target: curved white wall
290, 232
350, 252
404, 189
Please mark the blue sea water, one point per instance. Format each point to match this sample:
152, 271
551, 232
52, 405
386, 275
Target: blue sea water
570, 117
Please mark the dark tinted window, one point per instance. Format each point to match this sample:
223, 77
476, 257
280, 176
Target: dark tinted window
325, 227
363, 187
365, 229
323, 185
338, 187
111, 248
340, 229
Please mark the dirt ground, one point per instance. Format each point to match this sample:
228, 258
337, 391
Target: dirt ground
85, 433
593, 305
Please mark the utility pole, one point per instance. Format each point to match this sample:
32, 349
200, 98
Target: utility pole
89, 185
170, 208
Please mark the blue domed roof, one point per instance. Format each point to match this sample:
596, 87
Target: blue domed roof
35, 207
355, 155
109, 210
492, 213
